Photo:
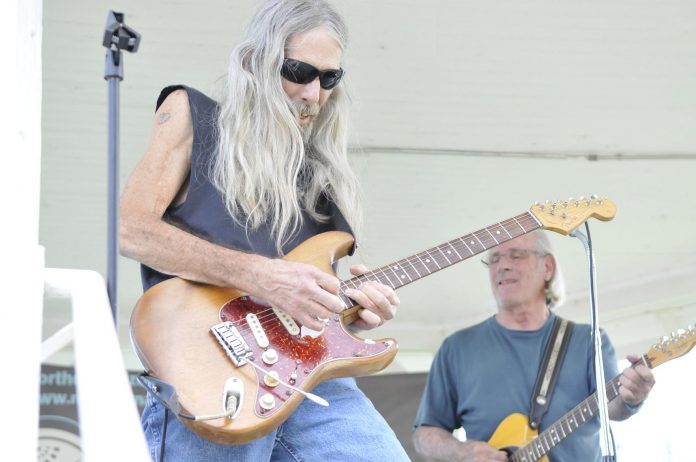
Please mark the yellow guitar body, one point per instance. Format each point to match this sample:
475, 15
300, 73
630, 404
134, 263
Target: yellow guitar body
514, 432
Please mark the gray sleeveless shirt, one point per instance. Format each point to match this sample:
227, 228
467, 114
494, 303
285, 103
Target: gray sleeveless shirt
203, 212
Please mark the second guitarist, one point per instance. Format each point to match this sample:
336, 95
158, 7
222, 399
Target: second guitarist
486, 372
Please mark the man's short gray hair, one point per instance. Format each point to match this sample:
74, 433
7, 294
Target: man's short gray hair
555, 287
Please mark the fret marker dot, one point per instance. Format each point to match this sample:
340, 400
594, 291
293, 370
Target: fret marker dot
427, 260
403, 277
449, 252
497, 231
472, 243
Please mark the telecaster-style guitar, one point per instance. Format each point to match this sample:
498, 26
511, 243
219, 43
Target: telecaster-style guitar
240, 368
526, 445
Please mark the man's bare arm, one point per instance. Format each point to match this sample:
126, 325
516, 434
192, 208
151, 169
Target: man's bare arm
437, 444
301, 290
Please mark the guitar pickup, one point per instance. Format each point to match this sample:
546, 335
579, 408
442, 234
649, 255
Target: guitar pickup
257, 330
232, 342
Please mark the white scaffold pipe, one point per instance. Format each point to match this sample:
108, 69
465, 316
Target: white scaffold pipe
105, 397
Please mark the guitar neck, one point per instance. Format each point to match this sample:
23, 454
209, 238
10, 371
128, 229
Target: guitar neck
571, 421
410, 269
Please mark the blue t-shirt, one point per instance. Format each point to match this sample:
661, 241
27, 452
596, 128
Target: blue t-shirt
484, 373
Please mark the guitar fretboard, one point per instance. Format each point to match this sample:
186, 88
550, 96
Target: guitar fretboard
571, 421
412, 268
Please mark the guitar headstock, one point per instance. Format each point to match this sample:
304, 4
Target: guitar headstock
564, 216
678, 344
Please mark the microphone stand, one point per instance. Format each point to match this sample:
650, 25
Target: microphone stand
606, 441
117, 37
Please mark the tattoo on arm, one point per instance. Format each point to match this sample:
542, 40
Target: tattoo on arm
162, 118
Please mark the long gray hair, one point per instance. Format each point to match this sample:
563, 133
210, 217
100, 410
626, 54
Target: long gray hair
264, 168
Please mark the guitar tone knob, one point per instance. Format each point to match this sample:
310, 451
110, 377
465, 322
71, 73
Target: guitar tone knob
271, 379
267, 401
270, 356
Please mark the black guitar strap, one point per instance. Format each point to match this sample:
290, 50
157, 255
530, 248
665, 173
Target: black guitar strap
548, 370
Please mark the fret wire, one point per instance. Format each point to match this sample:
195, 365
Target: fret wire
382, 278
548, 442
521, 225
390, 270
391, 283
444, 255
433, 259
615, 384
346, 300
467, 247
418, 258
408, 260
508, 232
545, 443
479, 240
428, 261
400, 265
455, 250
489, 232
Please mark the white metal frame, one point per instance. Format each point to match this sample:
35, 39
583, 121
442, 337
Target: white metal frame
110, 430
109, 422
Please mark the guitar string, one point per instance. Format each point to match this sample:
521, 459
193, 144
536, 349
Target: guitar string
267, 315
590, 403
418, 258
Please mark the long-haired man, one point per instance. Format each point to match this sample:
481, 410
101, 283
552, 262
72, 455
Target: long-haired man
226, 188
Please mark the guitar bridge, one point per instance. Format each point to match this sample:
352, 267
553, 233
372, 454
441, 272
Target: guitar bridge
232, 342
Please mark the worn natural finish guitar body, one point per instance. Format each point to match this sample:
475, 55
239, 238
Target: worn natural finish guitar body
170, 329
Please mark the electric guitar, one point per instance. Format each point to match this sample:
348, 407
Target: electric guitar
239, 368
524, 444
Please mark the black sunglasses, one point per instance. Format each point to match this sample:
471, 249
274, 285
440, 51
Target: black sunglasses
303, 73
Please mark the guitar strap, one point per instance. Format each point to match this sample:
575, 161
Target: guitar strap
548, 370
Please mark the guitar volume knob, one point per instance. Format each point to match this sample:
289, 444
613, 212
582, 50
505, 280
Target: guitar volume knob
270, 356
267, 401
271, 379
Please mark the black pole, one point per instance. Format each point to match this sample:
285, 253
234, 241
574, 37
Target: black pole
117, 37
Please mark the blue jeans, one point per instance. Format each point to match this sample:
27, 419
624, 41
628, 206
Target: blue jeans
350, 429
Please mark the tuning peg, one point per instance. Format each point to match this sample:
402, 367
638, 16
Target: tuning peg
582, 198
664, 340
